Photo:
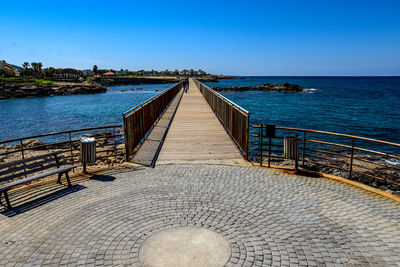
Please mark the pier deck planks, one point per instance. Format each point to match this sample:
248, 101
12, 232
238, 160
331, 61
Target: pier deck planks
196, 133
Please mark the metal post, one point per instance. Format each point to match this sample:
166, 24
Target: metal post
126, 141
70, 148
304, 148
269, 153
296, 164
261, 145
247, 137
351, 159
23, 156
115, 145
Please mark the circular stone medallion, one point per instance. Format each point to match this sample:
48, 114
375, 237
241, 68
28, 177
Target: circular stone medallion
185, 246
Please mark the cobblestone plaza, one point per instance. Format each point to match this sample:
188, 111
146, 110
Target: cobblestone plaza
268, 218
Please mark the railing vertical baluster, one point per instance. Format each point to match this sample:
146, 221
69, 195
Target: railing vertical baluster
115, 145
351, 159
23, 156
70, 148
261, 145
304, 148
269, 151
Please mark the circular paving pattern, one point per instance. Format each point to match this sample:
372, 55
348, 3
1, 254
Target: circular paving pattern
185, 246
267, 217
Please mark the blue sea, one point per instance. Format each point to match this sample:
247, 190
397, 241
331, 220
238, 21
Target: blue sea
364, 106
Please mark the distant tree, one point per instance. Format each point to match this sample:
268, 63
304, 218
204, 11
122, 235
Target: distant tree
25, 66
40, 65
35, 68
95, 69
49, 72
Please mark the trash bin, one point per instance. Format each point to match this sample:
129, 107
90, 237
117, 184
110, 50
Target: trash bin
291, 148
88, 151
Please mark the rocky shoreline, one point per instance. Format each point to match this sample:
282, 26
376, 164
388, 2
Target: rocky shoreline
268, 87
19, 90
135, 81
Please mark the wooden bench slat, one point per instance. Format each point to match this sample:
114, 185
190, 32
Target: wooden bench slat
36, 177
13, 163
19, 174
28, 166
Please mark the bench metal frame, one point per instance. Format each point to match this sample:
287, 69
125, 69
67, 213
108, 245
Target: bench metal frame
52, 160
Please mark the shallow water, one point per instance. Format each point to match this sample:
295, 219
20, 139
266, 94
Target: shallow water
364, 106
30, 116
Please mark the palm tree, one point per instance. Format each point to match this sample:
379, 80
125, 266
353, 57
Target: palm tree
26, 67
39, 66
35, 68
95, 69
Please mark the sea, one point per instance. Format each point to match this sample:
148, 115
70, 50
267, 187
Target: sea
362, 106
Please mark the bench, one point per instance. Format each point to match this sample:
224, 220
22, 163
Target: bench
26, 167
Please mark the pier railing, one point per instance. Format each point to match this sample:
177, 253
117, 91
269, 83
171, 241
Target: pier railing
344, 153
234, 118
139, 120
108, 139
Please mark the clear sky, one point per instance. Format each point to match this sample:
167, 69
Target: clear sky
281, 37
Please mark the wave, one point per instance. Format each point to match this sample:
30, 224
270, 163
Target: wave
391, 161
310, 90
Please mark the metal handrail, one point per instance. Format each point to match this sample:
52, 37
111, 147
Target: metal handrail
351, 157
333, 133
68, 142
58, 133
149, 100
233, 117
223, 97
140, 120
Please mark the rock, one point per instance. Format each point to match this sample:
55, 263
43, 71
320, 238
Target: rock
32, 143
285, 87
3, 146
25, 89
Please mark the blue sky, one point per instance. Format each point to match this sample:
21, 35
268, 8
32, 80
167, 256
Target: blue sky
332, 37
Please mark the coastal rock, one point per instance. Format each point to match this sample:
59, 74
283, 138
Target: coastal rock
32, 143
285, 87
18, 90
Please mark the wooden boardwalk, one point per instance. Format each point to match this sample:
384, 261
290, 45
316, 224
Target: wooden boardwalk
196, 133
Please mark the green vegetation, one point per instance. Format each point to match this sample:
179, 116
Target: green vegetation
27, 80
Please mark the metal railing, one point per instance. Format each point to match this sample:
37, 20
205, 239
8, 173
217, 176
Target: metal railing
234, 118
68, 142
139, 120
320, 148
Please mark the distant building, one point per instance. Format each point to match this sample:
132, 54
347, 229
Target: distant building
87, 73
9, 67
121, 72
110, 73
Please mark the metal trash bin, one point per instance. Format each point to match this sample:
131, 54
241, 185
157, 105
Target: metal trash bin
88, 151
291, 149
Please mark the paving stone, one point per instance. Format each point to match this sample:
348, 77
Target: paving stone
268, 218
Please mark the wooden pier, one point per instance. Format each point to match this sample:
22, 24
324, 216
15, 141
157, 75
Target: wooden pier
196, 133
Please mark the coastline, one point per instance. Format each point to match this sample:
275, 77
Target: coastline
29, 89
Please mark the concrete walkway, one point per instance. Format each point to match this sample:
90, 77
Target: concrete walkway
267, 218
196, 133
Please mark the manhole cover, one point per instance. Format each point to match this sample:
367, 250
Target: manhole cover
185, 246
